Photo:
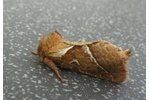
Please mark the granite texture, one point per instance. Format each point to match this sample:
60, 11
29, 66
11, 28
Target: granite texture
25, 77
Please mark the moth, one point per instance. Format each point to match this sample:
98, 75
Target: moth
100, 59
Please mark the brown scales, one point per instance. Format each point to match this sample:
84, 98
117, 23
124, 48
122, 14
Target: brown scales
99, 59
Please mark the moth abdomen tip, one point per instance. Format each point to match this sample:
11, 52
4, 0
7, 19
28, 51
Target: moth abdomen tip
128, 52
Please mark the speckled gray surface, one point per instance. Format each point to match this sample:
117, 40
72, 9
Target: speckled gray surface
121, 22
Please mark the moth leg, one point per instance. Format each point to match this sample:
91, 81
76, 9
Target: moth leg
51, 64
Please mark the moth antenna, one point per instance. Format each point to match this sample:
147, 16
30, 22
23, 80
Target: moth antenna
33, 53
55, 30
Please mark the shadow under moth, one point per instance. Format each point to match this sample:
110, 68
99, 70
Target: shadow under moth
100, 59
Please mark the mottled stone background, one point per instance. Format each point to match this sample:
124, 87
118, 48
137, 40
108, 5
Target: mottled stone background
122, 22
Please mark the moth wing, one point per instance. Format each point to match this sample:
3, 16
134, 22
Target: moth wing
63, 64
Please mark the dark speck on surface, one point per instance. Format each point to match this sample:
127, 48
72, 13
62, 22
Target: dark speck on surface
122, 22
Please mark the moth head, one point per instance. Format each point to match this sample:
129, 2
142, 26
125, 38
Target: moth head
48, 42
